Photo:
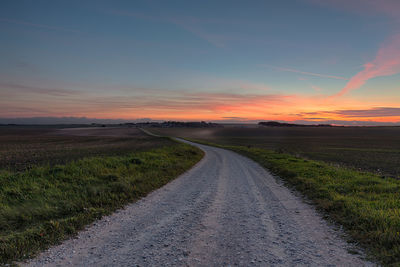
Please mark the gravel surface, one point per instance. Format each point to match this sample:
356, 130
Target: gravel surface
227, 210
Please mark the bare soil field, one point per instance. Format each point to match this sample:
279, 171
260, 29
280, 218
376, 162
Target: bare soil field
375, 149
22, 147
54, 182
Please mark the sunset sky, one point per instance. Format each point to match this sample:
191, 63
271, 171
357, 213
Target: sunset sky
313, 61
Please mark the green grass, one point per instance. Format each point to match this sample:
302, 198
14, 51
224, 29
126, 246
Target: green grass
23, 147
367, 205
46, 204
373, 149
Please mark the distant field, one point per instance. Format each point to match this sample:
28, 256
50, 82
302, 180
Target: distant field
375, 149
53, 181
22, 147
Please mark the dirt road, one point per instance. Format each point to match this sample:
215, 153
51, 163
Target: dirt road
227, 210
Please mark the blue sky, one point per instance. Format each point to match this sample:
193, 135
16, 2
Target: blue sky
214, 56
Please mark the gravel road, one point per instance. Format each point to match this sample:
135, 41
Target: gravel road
227, 210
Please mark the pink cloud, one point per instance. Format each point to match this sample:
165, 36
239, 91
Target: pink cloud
250, 101
386, 63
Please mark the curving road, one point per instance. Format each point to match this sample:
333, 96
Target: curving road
227, 210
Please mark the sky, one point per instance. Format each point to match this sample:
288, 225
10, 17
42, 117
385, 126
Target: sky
308, 61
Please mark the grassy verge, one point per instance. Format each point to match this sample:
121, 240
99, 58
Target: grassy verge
371, 149
367, 205
44, 205
22, 148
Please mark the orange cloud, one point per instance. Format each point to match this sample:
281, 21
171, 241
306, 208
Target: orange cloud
123, 103
386, 63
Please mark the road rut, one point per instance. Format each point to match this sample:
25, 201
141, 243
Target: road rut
227, 210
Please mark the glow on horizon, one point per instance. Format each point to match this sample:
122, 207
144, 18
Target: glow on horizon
184, 62
209, 106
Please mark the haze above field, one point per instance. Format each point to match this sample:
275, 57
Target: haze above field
303, 61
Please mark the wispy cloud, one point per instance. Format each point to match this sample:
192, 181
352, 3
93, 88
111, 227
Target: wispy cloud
189, 24
36, 25
316, 88
348, 122
378, 112
235, 118
306, 73
386, 63
386, 7
13, 88
371, 113
254, 86
387, 59
61, 99
214, 39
